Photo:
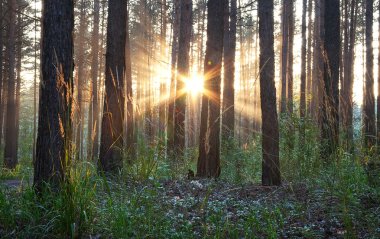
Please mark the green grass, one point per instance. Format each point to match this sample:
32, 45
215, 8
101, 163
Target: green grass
317, 198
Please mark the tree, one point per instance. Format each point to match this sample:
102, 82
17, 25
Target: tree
10, 150
330, 91
209, 162
56, 91
130, 139
270, 131
174, 56
94, 127
1, 71
369, 94
228, 120
112, 143
284, 52
183, 73
350, 22
303, 68
81, 68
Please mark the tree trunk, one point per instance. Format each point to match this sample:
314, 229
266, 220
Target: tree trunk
174, 56
131, 143
94, 134
163, 46
111, 144
309, 55
284, 53
56, 92
81, 79
303, 72
210, 167
270, 131
1, 72
228, 124
18, 78
330, 94
10, 150
290, 57
183, 74
369, 97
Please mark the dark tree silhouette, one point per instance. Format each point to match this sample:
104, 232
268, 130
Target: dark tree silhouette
270, 141
54, 124
330, 91
209, 164
112, 142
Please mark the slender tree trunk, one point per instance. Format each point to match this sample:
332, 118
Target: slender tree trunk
290, 57
1, 72
174, 56
163, 46
284, 53
111, 144
34, 87
309, 57
93, 133
18, 78
81, 78
330, 103
228, 124
369, 99
10, 150
317, 63
183, 73
131, 143
270, 141
56, 92
303, 72
210, 167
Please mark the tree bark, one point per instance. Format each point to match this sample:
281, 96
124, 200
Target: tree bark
303, 72
112, 142
210, 167
228, 120
330, 103
174, 56
183, 74
56, 92
369, 94
270, 131
10, 150
94, 133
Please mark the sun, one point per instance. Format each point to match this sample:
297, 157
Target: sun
194, 84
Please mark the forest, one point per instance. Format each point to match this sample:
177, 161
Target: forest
190, 119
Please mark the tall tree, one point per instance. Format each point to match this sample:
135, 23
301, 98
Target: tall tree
270, 130
163, 47
130, 139
183, 73
330, 94
303, 68
1, 70
228, 120
10, 150
81, 77
53, 142
289, 70
94, 132
369, 93
174, 57
284, 52
209, 164
350, 22
112, 143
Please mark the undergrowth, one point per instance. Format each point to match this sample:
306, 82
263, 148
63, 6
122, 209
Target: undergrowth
316, 196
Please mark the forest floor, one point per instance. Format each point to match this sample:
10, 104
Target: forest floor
219, 209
